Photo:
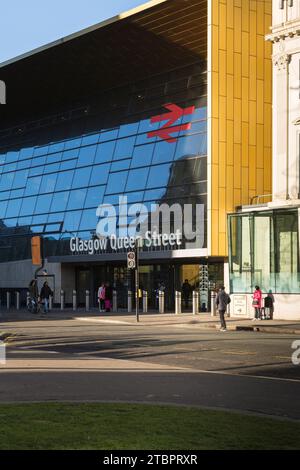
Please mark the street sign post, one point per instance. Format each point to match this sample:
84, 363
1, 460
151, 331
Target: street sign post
132, 263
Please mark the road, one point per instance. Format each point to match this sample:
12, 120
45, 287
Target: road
180, 364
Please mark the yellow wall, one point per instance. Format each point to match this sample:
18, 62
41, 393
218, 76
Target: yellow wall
241, 109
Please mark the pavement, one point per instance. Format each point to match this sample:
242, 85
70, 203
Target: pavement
174, 359
201, 321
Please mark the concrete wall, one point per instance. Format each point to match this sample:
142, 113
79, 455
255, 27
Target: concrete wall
286, 306
16, 274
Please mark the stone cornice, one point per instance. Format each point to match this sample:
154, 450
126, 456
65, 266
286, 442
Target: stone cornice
284, 31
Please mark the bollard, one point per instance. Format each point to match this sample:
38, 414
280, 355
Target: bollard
129, 301
8, 300
62, 299
87, 300
145, 301
161, 301
18, 300
115, 301
195, 302
74, 300
50, 302
177, 302
213, 307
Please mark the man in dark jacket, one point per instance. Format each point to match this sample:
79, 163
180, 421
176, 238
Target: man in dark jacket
222, 301
45, 295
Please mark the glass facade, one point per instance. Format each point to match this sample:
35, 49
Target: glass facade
53, 180
264, 251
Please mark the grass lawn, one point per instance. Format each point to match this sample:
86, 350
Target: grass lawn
145, 427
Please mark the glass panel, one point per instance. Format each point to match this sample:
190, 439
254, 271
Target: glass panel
137, 179
67, 165
99, 174
94, 196
52, 168
6, 181
116, 182
3, 207
89, 220
59, 202
41, 150
86, 155
20, 179
287, 253
72, 220
13, 208
159, 176
142, 155
43, 204
120, 165
48, 183
54, 157
28, 205
73, 143
164, 152
105, 152
33, 185
81, 177
64, 180
263, 233
108, 135
128, 129
90, 139
240, 266
190, 145
124, 148
56, 147
76, 199
69, 154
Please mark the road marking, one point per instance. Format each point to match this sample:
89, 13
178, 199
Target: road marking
100, 320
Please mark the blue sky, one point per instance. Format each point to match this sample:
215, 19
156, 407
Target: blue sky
27, 24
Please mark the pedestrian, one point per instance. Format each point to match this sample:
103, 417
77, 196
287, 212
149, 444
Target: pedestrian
101, 297
108, 297
33, 304
222, 300
257, 303
45, 294
186, 292
269, 305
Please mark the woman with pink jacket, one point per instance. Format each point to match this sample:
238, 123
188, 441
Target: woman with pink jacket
257, 303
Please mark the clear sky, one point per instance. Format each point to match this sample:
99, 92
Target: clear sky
27, 24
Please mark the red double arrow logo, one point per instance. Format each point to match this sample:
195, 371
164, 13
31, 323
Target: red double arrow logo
166, 131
